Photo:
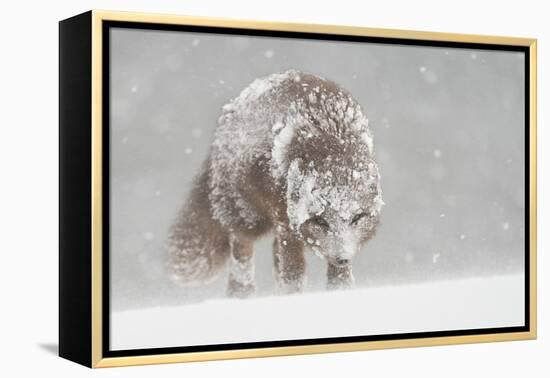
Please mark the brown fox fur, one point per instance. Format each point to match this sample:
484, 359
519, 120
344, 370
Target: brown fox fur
292, 154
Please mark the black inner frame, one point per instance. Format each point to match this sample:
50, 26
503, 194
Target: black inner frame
107, 25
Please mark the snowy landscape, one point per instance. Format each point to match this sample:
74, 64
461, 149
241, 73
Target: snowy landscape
438, 306
447, 126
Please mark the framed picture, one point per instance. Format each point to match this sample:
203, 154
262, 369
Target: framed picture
235, 189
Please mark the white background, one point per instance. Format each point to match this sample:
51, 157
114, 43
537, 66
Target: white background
28, 208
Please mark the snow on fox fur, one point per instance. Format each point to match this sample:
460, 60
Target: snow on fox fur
292, 154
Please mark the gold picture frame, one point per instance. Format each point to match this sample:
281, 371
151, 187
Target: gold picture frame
82, 244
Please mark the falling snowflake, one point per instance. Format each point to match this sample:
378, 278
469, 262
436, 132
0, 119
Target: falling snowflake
148, 236
134, 88
188, 150
437, 153
196, 42
422, 69
462, 237
435, 257
506, 226
269, 53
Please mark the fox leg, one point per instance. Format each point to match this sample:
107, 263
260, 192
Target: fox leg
288, 262
241, 282
339, 277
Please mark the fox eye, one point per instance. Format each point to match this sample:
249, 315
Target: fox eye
320, 221
357, 218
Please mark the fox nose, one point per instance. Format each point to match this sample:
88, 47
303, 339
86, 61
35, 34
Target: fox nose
342, 261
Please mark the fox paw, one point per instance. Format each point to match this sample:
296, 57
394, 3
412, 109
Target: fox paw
237, 289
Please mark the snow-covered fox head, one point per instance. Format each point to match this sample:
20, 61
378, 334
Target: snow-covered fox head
333, 209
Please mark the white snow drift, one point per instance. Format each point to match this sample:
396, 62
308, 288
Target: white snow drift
444, 305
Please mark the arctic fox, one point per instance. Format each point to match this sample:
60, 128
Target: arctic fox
292, 154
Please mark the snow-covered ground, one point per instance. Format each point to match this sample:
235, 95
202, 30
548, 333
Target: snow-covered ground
443, 305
